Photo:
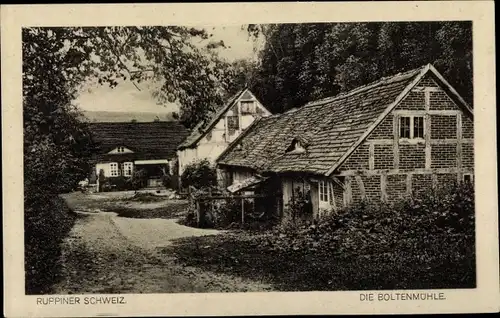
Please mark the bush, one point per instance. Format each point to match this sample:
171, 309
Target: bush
424, 242
432, 230
139, 179
199, 174
168, 181
225, 213
174, 178
119, 183
46, 224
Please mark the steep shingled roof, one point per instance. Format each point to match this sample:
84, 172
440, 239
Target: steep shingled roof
332, 127
153, 140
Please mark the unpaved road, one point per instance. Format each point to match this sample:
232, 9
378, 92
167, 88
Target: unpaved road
105, 253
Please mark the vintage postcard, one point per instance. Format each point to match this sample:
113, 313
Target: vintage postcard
249, 159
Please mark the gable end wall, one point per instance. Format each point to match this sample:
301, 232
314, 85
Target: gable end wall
408, 166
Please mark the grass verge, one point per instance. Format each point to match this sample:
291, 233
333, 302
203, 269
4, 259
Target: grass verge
252, 256
173, 210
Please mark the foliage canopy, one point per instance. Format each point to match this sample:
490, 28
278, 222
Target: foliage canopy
309, 61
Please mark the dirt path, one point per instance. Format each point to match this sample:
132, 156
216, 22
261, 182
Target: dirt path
109, 254
154, 233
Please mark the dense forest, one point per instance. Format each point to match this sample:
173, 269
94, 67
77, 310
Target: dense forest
303, 62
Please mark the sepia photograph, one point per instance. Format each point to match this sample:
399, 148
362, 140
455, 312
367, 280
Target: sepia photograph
287, 163
250, 157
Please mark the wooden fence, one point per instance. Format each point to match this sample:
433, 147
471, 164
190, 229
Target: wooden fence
205, 203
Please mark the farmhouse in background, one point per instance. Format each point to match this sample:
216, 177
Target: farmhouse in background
125, 147
211, 137
381, 141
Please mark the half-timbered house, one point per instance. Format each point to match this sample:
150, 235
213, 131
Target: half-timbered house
209, 138
396, 136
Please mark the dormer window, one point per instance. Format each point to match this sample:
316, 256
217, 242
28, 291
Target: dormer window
297, 146
120, 150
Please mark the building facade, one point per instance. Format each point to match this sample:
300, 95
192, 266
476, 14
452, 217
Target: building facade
382, 141
123, 148
211, 137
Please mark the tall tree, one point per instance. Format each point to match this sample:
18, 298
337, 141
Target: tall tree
57, 61
303, 62
188, 74
57, 144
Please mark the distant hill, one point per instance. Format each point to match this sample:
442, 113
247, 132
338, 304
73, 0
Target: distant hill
107, 116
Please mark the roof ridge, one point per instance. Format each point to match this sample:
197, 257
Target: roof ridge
335, 126
382, 80
135, 123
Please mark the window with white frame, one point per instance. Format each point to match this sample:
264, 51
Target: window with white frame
411, 127
127, 169
247, 107
113, 169
323, 191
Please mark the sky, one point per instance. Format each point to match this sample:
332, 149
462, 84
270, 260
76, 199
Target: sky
127, 98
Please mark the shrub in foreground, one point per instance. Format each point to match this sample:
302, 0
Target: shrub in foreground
199, 174
46, 224
432, 230
424, 242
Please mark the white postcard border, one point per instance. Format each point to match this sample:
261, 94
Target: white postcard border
485, 298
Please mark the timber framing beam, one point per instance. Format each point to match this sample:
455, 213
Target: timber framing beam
434, 180
409, 182
348, 191
380, 142
426, 89
430, 112
371, 156
395, 141
448, 141
378, 172
427, 130
361, 186
459, 146
383, 187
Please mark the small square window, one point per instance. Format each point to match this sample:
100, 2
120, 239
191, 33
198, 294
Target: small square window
468, 178
411, 127
247, 107
113, 169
